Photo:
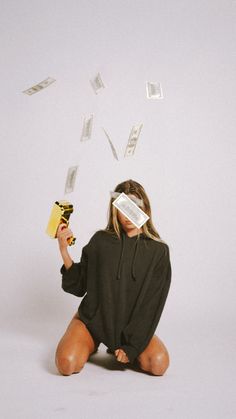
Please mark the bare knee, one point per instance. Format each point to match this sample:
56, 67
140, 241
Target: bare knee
159, 364
155, 364
68, 365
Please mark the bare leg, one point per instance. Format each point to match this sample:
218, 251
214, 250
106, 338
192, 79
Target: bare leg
155, 358
75, 347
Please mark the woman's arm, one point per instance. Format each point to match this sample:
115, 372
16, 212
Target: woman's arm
64, 233
74, 275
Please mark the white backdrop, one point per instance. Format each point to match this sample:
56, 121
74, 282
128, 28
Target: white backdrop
184, 157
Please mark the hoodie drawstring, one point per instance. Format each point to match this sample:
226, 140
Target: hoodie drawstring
121, 257
133, 261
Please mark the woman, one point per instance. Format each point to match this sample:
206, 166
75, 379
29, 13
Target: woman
125, 273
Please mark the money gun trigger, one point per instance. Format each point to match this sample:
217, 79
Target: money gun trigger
60, 214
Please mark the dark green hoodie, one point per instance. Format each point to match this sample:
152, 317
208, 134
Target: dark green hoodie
126, 282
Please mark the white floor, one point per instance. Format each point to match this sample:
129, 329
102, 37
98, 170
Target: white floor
199, 383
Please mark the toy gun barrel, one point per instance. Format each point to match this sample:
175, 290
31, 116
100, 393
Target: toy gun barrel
60, 214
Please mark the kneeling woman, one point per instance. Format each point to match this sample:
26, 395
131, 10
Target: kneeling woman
125, 273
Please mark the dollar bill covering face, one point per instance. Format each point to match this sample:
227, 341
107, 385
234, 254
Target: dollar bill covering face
138, 201
154, 90
40, 86
97, 83
87, 128
125, 205
133, 139
70, 179
111, 145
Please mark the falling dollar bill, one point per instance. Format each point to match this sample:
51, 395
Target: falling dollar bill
133, 139
40, 86
154, 90
112, 146
130, 210
70, 180
87, 128
97, 83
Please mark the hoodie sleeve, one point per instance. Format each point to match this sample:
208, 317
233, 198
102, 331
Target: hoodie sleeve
74, 279
143, 324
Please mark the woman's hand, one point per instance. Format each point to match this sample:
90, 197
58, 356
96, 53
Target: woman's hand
63, 233
121, 356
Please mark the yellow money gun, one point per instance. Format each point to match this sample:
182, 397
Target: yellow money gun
60, 214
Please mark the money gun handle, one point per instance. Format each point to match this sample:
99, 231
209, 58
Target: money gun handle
70, 240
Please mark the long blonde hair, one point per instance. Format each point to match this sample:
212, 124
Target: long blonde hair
134, 188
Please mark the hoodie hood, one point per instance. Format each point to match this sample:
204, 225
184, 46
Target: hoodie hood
137, 245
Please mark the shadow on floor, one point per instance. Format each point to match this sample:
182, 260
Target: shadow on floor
109, 362
99, 358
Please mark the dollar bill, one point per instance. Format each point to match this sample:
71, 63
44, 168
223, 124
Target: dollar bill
134, 198
154, 90
70, 179
97, 83
111, 145
87, 128
125, 205
40, 86
133, 139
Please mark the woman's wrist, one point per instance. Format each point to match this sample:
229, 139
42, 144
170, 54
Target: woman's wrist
64, 251
66, 258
